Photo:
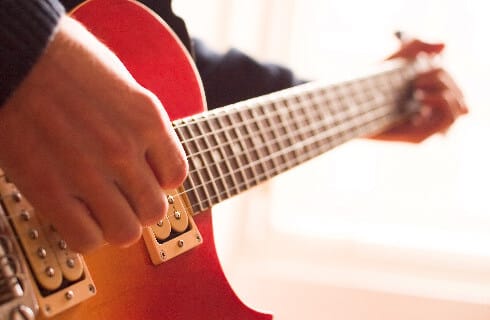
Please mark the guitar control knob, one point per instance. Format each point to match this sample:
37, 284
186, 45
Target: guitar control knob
22, 312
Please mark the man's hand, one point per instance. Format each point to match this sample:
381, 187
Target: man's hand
89, 147
441, 99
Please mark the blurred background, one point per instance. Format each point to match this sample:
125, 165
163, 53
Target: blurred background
370, 230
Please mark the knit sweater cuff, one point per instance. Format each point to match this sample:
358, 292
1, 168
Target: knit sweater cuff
26, 27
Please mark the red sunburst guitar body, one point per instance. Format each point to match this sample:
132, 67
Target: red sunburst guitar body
129, 286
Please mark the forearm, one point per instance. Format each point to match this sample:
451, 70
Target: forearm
26, 27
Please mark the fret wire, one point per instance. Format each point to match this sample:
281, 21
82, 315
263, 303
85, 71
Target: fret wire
338, 141
223, 168
262, 128
250, 139
338, 118
285, 115
281, 113
299, 113
275, 145
247, 186
194, 196
359, 94
238, 140
233, 144
261, 118
382, 118
201, 165
309, 111
199, 162
202, 118
218, 157
318, 114
230, 142
232, 163
263, 139
208, 163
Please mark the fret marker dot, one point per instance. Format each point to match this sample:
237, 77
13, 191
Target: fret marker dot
198, 163
216, 155
236, 148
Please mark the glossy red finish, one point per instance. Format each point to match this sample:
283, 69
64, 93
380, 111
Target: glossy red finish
189, 287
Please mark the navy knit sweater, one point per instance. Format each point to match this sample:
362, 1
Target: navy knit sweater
26, 27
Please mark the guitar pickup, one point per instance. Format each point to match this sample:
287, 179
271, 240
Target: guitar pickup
17, 295
59, 277
176, 233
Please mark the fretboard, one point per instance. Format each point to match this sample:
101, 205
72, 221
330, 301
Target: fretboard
234, 148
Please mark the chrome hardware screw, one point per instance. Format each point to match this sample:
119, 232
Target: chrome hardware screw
50, 272
163, 255
17, 197
91, 288
25, 215
69, 295
198, 237
62, 244
180, 243
42, 253
33, 234
160, 223
70, 263
170, 199
177, 215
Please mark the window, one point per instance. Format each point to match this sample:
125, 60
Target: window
373, 211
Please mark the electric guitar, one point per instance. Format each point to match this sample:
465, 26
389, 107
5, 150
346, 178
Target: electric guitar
174, 272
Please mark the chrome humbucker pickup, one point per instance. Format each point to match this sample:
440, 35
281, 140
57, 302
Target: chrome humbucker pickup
176, 233
16, 292
36, 265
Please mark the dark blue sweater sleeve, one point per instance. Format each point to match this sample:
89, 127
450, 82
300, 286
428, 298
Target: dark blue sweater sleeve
235, 76
25, 29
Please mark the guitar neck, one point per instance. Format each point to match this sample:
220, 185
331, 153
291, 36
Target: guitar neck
234, 148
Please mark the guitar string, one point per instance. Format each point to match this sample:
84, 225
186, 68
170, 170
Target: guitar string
312, 129
231, 173
278, 113
203, 204
331, 115
241, 134
286, 166
330, 119
309, 131
206, 185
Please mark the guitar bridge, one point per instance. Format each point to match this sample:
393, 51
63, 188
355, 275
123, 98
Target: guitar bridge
16, 292
49, 275
176, 233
